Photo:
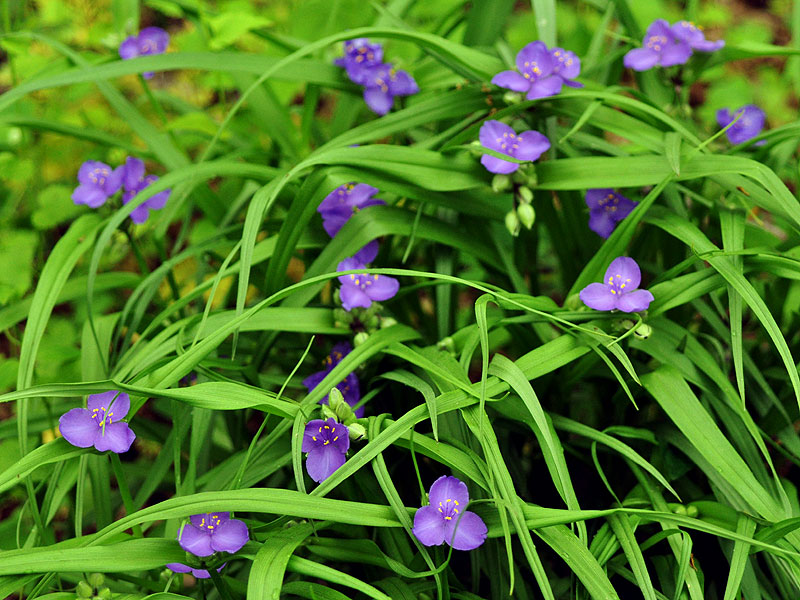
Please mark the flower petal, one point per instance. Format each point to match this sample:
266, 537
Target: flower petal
90, 195
498, 165
78, 427
675, 54
601, 223
382, 288
511, 80
625, 269
117, 403
322, 461
593, 197
402, 84
116, 437
368, 253
129, 48
195, 540
178, 568
641, 59
465, 533
635, 301
153, 40
360, 193
309, 433
448, 488
133, 173
532, 145
547, 86
379, 102
334, 220
429, 526
230, 536
353, 297
493, 133
314, 379
598, 296
140, 214
535, 52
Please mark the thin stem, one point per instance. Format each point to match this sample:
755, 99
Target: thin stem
124, 491
137, 252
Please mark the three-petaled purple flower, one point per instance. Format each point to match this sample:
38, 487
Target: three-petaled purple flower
542, 72
693, 35
151, 40
382, 83
350, 388
445, 518
606, 209
343, 202
135, 181
99, 425
97, 183
619, 289
206, 534
359, 54
747, 127
497, 136
668, 46
326, 443
360, 289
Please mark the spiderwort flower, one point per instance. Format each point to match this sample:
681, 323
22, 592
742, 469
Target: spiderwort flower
97, 183
135, 181
212, 532
199, 573
362, 289
99, 425
347, 199
358, 55
327, 443
151, 40
350, 387
606, 209
445, 520
661, 46
747, 127
382, 83
693, 35
619, 289
497, 136
541, 72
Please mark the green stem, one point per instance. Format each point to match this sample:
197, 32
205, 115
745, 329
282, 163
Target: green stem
137, 252
157, 107
222, 587
127, 500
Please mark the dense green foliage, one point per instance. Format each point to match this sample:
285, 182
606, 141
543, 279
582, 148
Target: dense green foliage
607, 463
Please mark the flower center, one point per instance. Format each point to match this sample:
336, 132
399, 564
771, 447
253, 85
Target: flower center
325, 435
99, 174
531, 70
210, 523
362, 281
104, 415
448, 509
618, 283
656, 42
508, 144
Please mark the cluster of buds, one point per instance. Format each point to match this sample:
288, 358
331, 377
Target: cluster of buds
339, 410
92, 587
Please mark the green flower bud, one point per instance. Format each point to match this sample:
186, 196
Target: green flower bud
476, 149
692, 511
574, 302
357, 431
388, 322
360, 338
447, 344
512, 223
104, 594
525, 194
512, 97
643, 331
526, 214
531, 179
679, 509
84, 590
501, 182
96, 579
335, 399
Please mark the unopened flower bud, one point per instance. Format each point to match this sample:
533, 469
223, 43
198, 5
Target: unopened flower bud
501, 182
388, 322
643, 331
526, 215
692, 511
512, 97
573, 302
104, 594
360, 338
96, 579
335, 399
357, 431
525, 194
84, 590
512, 223
446, 344
476, 149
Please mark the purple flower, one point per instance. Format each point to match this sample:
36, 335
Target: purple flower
693, 35
661, 46
99, 425
199, 573
327, 443
445, 520
566, 65
497, 136
619, 289
212, 532
747, 127
382, 83
541, 73
362, 289
151, 40
349, 387
606, 209
97, 183
135, 181
343, 202
358, 55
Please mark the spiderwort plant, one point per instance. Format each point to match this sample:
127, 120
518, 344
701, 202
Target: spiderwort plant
607, 208
361, 289
749, 124
99, 424
497, 136
326, 443
151, 40
693, 35
669, 46
446, 519
619, 290
359, 54
206, 534
97, 183
540, 72
350, 388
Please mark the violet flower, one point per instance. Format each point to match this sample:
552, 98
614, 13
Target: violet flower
99, 425
199, 573
382, 83
606, 209
350, 387
541, 72
97, 183
135, 181
445, 518
151, 40
619, 289
747, 127
212, 532
327, 443
358, 55
362, 289
347, 199
497, 136
693, 35
661, 46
